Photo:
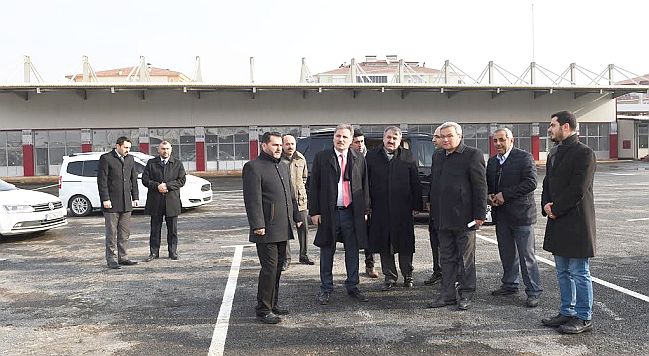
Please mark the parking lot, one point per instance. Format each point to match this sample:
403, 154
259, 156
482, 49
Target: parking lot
58, 298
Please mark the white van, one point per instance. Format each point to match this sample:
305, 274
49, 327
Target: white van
78, 184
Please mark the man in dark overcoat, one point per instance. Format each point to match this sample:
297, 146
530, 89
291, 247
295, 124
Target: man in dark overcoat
568, 202
395, 195
272, 210
458, 207
511, 181
339, 205
163, 175
118, 193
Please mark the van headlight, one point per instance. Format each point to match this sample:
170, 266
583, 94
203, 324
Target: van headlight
18, 208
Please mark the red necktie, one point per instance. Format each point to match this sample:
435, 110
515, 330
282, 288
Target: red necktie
346, 196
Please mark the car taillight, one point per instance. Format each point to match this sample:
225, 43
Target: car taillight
60, 181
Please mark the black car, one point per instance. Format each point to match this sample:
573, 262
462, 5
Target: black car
421, 144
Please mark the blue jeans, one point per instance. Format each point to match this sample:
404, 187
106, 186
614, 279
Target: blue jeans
516, 248
344, 225
575, 286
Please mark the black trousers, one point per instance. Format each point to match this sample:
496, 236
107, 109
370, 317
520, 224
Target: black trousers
271, 257
172, 234
457, 254
434, 246
389, 267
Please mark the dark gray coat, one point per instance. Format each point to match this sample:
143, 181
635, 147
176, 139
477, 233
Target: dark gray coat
173, 174
516, 179
395, 192
323, 194
568, 184
458, 188
268, 198
117, 182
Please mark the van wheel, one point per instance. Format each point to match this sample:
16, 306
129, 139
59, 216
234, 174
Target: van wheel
80, 206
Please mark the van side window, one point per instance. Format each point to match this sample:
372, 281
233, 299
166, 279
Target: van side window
75, 168
90, 168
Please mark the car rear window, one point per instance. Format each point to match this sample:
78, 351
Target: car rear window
75, 168
90, 168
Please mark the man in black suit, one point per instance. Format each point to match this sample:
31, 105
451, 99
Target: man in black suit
568, 202
395, 196
118, 192
436, 276
163, 175
459, 193
272, 211
338, 204
511, 181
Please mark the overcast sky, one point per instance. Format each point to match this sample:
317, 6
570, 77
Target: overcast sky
170, 34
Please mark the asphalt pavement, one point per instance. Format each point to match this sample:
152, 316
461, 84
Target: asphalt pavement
58, 298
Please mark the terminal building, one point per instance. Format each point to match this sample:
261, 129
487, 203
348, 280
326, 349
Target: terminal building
217, 126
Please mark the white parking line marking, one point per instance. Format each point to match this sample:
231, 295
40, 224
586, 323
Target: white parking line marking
223, 320
622, 174
596, 280
639, 219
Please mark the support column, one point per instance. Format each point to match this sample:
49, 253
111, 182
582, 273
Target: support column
536, 141
253, 136
200, 148
612, 141
144, 140
86, 140
492, 148
28, 153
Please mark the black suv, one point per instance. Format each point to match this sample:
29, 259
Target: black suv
421, 144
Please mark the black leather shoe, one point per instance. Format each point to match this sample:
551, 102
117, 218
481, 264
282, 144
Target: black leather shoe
408, 283
532, 301
175, 258
323, 298
270, 318
286, 265
387, 286
306, 261
463, 304
114, 265
151, 258
576, 326
504, 291
356, 294
440, 302
127, 263
280, 311
558, 320
434, 278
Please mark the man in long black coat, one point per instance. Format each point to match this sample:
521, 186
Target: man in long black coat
395, 194
339, 205
458, 207
163, 175
118, 193
272, 211
568, 202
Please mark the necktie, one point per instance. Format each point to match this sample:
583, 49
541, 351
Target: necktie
346, 194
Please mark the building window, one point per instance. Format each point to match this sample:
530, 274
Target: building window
643, 135
522, 135
104, 140
50, 147
227, 147
11, 153
476, 135
595, 136
182, 140
371, 78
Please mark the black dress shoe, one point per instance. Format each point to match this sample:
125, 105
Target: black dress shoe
323, 298
463, 304
306, 261
576, 326
286, 265
151, 258
532, 301
504, 291
175, 258
555, 321
434, 278
408, 283
270, 318
356, 294
127, 263
280, 311
440, 302
387, 286
114, 265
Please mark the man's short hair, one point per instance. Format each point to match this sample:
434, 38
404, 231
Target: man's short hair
564, 117
455, 125
265, 138
120, 140
345, 127
394, 129
165, 143
358, 132
506, 130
